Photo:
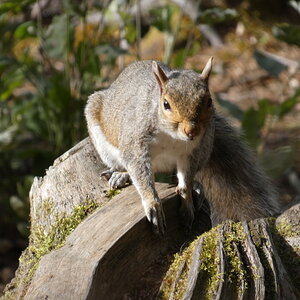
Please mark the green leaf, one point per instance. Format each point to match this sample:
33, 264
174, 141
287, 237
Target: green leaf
130, 33
286, 106
9, 90
287, 33
25, 30
270, 64
75, 8
266, 107
23, 188
217, 15
5, 63
295, 4
87, 59
179, 58
110, 50
57, 37
7, 136
18, 206
14, 5
11, 78
162, 17
23, 228
233, 109
252, 122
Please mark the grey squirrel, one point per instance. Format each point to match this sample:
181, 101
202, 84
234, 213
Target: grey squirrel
154, 119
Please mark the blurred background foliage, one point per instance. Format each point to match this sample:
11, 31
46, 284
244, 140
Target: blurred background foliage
53, 54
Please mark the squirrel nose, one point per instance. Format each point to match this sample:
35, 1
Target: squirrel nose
191, 133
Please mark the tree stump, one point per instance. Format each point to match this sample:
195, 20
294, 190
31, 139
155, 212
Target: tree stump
86, 244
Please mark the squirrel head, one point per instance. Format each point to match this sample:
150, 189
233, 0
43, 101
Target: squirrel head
186, 106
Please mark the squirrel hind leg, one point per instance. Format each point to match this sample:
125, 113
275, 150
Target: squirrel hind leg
199, 197
187, 209
116, 179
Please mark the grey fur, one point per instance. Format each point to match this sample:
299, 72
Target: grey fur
130, 108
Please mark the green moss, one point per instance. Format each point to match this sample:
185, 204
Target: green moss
289, 255
172, 275
209, 276
172, 283
63, 226
210, 261
112, 193
47, 207
42, 243
286, 229
237, 273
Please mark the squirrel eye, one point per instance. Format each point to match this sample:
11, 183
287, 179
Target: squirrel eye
167, 105
209, 103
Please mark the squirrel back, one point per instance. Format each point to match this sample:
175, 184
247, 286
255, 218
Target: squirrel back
110, 107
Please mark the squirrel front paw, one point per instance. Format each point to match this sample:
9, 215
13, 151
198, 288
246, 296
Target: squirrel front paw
156, 217
116, 179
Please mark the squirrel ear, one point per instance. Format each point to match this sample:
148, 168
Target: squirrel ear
160, 75
207, 69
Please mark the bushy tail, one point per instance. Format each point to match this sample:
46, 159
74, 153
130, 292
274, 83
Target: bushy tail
233, 183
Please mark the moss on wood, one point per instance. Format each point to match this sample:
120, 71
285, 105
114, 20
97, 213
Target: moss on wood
41, 243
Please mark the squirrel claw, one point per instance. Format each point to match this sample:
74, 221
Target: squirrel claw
119, 180
107, 174
116, 179
156, 217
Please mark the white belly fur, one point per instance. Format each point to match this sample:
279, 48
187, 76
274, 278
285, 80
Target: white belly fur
109, 154
166, 151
